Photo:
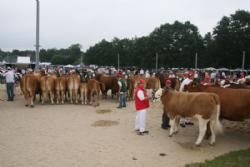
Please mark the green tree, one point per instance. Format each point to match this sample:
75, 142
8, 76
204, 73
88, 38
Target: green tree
232, 36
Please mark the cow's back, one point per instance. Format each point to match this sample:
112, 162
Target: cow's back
235, 103
190, 104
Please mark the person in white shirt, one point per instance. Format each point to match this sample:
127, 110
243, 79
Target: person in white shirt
141, 72
147, 75
10, 80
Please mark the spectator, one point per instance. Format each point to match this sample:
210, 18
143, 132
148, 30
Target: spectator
10, 80
141, 105
165, 119
122, 90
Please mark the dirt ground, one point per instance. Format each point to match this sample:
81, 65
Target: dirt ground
81, 135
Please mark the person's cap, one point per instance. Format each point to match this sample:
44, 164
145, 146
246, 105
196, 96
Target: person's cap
141, 81
119, 74
168, 82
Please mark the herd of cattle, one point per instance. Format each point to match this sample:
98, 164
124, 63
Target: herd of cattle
69, 88
210, 104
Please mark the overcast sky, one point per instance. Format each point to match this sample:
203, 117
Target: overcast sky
66, 22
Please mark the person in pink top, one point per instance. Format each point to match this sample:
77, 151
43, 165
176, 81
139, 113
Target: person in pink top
141, 105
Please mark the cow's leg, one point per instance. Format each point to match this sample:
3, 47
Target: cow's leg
76, 96
212, 126
85, 96
176, 124
171, 122
43, 97
96, 100
32, 99
202, 130
26, 99
71, 96
208, 131
63, 96
51, 97
81, 95
91, 98
58, 96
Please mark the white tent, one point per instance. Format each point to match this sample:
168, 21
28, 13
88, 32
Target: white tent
209, 69
23, 60
223, 69
69, 66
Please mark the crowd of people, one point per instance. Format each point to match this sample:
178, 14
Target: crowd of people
10, 75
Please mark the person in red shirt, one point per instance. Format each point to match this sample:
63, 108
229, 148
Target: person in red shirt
141, 105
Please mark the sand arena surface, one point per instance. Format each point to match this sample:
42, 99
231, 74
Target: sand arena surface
82, 135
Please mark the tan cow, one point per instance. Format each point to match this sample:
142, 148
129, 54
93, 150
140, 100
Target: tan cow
61, 85
94, 89
154, 84
47, 85
83, 92
130, 88
203, 106
29, 85
73, 84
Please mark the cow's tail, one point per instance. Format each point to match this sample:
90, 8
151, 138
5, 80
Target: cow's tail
218, 126
159, 83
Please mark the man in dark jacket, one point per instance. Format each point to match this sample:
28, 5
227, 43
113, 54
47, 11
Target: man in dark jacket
165, 119
122, 90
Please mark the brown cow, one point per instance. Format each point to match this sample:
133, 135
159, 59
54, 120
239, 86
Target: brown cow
235, 103
47, 85
61, 85
83, 92
152, 83
108, 82
94, 89
73, 84
29, 85
130, 88
203, 106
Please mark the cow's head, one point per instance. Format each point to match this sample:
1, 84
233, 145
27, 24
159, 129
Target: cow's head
158, 94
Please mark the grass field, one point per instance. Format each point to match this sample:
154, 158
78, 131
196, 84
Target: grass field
233, 159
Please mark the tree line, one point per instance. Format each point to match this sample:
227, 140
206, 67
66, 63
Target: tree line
175, 44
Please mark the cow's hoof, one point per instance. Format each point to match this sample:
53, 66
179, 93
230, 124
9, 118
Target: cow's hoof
197, 145
32, 106
212, 143
26, 105
170, 135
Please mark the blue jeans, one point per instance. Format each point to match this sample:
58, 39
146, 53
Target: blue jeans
122, 100
10, 90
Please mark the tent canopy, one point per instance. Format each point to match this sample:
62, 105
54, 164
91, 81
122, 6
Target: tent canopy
23, 60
